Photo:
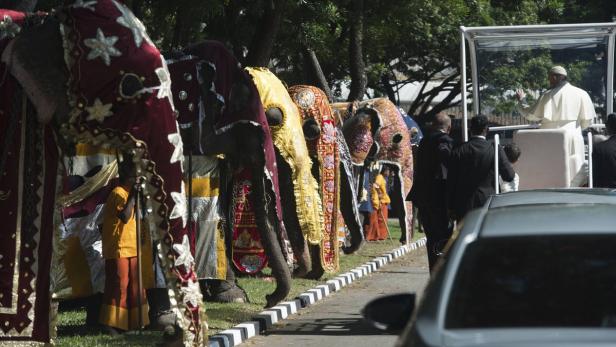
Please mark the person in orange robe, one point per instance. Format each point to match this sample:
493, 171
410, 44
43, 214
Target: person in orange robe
120, 311
380, 203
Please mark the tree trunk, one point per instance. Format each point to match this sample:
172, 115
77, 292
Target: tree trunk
260, 49
389, 89
177, 30
359, 80
315, 73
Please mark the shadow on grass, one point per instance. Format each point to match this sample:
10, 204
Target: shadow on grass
72, 330
93, 336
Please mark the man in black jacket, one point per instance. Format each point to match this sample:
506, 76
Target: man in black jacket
429, 192
471, 170
604, 157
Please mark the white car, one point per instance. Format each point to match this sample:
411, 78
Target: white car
530, 268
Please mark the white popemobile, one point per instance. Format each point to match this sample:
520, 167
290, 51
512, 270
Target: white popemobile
533, 267
553, 155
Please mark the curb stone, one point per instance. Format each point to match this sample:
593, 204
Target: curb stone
266, 319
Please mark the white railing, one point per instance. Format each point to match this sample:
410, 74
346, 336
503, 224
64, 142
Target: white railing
514, 127
496, 173
590, 180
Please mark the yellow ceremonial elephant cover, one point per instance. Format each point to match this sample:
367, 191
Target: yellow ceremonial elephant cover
289, 139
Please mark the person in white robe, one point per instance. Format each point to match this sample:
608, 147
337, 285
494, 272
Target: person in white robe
563, 106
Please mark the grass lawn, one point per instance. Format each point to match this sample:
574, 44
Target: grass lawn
73, 332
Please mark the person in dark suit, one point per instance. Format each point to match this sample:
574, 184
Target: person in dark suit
429, 192
604, 157
471, 170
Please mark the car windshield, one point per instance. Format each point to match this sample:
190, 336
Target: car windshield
535, 281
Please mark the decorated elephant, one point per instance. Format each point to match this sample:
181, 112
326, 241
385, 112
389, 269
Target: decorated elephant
376, 133
117, 95
220, 113
303, 212
332, 168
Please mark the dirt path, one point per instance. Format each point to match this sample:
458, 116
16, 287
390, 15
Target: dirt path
336, 321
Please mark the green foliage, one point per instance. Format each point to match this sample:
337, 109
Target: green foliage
502, 73
404, 40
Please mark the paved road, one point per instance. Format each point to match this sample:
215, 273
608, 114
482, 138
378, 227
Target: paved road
336, 320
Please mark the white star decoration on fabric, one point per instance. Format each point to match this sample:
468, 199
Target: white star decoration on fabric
164, 90
99, 111
179, 207
192, 294
84, 4
101, 46
132, 23
178, 148
184, 257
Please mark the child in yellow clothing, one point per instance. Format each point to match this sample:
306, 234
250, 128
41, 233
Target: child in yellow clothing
380, 203
120, 300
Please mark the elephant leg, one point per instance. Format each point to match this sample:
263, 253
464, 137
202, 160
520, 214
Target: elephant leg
161, 316
93, 308
349, 214
397, 203
317, 267
303, 259
291, 223
227, 290
267, 222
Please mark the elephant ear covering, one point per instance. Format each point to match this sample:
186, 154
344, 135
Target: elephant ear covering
396, 153
399, 152
312, 103
289, 139
119, 94
27, 198
228, 72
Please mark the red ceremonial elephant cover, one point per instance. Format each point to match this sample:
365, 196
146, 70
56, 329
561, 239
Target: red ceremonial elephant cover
120, 95
397, 153
27, 195
248, 254
313, 104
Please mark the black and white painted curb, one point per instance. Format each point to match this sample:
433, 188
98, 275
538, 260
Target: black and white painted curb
264, 320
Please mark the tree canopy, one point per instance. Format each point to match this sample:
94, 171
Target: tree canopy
377, 45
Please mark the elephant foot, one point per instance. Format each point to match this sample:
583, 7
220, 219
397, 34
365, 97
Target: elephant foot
314, 274
301, 271
271, 300
353, 247
235, 294
224, 291
165, 321
172, 337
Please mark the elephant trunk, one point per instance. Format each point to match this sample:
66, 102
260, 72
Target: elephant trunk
266, 220
291, 221
397, 197
351, 219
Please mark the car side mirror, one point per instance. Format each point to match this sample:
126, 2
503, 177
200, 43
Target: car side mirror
390, 313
